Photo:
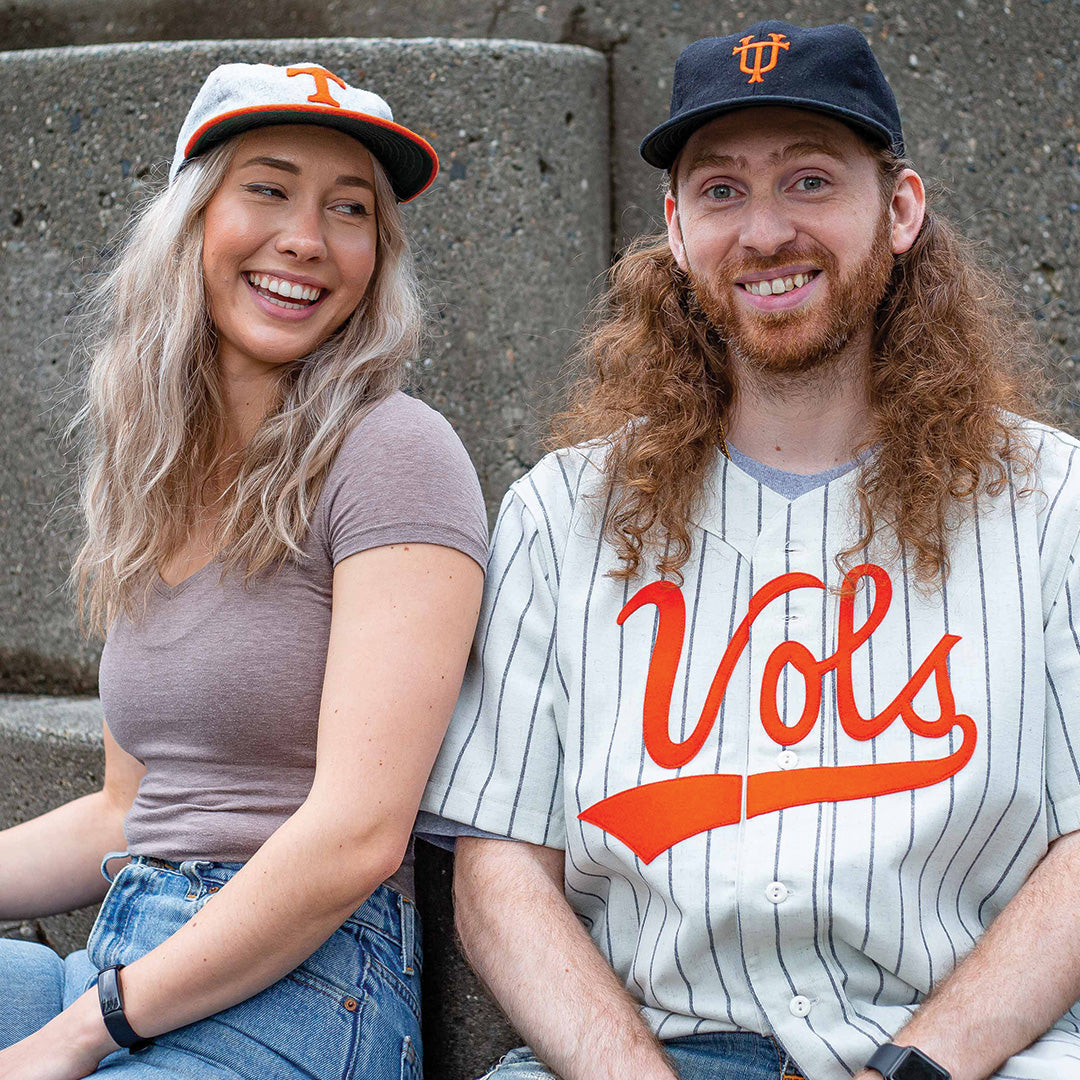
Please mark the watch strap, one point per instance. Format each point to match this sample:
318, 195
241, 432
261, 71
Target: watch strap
112, 1012
887, 1058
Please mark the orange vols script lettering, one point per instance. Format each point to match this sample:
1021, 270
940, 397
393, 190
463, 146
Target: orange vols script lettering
654, 817
742, 51
322, 78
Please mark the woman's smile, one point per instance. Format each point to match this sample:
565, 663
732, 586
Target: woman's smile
284, 297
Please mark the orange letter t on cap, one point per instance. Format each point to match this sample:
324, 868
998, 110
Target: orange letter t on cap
322, 86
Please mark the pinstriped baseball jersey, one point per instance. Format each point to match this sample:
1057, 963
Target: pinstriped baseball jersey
791, 798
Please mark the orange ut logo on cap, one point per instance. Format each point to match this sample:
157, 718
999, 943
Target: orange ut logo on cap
322, 79
742, 51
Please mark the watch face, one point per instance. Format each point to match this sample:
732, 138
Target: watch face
916, 1066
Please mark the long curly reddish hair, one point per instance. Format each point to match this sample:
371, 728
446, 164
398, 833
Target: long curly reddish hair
953, 369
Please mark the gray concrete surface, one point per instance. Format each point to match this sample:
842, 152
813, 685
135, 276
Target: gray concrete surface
508, 241
50, 753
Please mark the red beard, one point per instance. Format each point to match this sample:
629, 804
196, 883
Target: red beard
800, 339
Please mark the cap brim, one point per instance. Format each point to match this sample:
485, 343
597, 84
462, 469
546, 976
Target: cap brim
662, 145
409, 160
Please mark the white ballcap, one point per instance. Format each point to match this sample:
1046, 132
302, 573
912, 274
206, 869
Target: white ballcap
238, 97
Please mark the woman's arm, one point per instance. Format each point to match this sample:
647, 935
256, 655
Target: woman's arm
524, 940
403, 620
52, 862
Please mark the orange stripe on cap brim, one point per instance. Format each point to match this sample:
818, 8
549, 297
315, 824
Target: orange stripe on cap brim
367, 118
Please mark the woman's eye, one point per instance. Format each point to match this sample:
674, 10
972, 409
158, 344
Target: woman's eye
353, 209
265, 189
810, 183
720, 191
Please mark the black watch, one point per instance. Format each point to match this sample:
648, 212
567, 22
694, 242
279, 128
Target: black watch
112, 1012
906, 1063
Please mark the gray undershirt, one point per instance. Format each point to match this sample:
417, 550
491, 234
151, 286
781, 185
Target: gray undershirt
790, 485
441, 831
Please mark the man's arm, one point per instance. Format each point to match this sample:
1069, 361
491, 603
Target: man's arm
1020, 978
526, 944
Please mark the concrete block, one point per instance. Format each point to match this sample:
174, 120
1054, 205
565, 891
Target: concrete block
50, 753
509, 241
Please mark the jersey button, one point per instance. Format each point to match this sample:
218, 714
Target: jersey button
787, 759
799, 1006
776, 892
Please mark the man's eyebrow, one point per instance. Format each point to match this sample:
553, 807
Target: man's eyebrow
295, 170
709, 159
807, 146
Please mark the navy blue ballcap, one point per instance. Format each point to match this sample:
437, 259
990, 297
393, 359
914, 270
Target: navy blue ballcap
827, 69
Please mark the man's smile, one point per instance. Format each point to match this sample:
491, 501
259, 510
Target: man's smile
774, 291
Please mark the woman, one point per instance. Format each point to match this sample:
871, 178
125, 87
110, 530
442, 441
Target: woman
285, 552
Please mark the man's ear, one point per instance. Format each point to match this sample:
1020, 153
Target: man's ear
674, 231
907, 210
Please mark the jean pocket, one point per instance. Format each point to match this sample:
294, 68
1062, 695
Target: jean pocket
410, 1061
301, 1026
390, 1043
384, 956
108, 934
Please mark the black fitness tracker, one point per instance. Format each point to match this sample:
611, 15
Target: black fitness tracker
906, 1063
112, 1012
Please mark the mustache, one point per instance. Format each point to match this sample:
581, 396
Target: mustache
819, 259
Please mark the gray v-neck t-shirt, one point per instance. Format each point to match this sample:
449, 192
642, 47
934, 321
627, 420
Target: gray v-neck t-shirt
216, 688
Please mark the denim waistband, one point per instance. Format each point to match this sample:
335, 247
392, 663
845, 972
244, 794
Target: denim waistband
385, 911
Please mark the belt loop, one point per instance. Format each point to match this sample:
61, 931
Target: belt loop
408, 925
109, 856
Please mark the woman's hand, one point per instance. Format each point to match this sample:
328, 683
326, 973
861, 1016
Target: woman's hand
68, 1047
40, 1057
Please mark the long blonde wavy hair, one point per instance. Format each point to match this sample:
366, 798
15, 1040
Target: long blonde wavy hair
152, 422
951, 367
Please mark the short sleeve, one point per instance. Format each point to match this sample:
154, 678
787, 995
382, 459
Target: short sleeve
1062, 650
402, 476
500, 767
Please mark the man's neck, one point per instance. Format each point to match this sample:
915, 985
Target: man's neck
805, 423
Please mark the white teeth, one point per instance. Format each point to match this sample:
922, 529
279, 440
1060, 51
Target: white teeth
778, 286
284, 303
285, 289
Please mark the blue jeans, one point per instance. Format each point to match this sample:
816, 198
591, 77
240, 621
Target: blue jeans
720, 1055
351, 1010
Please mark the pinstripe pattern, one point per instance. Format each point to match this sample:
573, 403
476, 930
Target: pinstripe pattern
884, 893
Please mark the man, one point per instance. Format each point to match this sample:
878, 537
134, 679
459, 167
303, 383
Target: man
775, 674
